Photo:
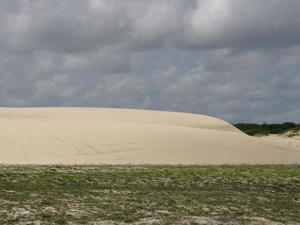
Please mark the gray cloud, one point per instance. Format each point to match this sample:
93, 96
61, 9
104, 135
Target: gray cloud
238, 60
243, 24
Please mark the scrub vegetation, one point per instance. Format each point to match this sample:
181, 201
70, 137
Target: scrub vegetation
149, 194
266, 129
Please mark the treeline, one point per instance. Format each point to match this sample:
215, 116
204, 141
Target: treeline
265, 129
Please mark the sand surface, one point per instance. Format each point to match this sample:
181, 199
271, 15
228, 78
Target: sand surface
292, 142
117, 136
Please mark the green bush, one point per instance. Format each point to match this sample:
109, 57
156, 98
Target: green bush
265, 129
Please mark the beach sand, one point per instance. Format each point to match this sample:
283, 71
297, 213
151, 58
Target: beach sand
128, 136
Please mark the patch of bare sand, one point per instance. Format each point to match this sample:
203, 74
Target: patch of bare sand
290, 139
122, 136
192, 220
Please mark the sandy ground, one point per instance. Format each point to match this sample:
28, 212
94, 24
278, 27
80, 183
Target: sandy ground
118, 136
292, 142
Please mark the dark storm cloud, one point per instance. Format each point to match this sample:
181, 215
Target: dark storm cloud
238, 60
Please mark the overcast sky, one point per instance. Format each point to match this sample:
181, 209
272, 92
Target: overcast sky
238, 60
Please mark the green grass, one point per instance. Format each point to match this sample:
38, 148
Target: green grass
166, 194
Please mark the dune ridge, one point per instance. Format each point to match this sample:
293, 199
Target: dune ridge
122, 136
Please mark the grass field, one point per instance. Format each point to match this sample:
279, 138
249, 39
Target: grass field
147, 194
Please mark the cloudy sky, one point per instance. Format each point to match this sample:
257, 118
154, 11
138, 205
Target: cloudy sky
235, 59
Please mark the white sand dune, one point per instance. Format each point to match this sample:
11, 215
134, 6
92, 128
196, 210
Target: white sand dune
292, 142
118, 136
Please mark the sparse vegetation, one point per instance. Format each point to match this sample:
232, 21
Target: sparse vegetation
266, 129
145, 194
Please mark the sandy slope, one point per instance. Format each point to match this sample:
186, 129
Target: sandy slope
101, 135
292, 142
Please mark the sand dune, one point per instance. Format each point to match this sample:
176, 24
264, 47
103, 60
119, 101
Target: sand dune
117, 136
292, 142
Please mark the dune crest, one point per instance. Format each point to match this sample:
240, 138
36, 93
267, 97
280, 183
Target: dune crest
118, 136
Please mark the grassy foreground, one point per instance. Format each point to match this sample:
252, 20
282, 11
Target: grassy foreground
149, 194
